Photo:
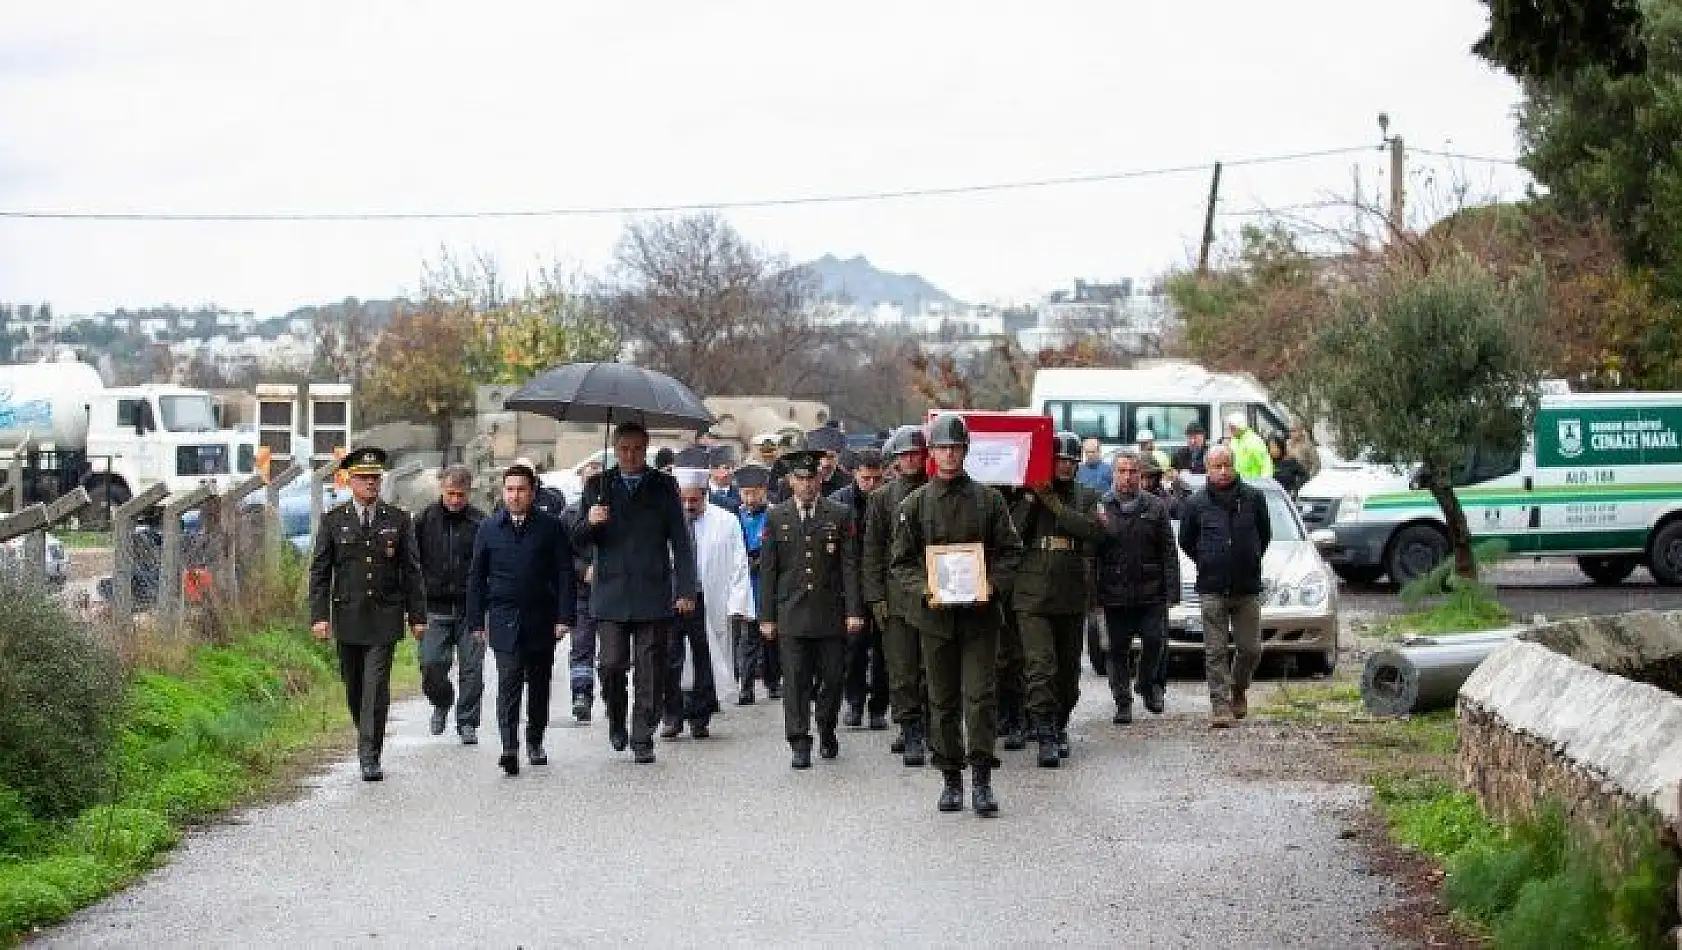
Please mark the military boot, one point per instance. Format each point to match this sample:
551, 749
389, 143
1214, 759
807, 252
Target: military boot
897, 747
915, 751
1047, 736
1010, 725
581, 703
952, 796
982, 800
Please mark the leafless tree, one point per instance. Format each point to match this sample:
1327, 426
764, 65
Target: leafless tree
699, 302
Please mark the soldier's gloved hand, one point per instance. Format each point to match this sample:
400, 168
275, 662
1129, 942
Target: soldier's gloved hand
321, 629
879, 610
768, 630
855, 626
685, 605
561, 631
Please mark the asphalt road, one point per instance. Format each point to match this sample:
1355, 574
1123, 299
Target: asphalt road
1162, 835
1552, 588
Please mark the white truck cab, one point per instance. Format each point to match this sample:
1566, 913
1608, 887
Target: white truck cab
140, 435
1599, 479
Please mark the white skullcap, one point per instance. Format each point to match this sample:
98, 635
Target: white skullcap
691, 477
1237, 419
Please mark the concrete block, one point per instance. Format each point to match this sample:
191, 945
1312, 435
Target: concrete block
1626, 733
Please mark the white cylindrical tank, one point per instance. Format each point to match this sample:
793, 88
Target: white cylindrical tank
48, 401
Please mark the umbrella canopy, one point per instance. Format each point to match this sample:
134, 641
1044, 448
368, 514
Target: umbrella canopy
612, 392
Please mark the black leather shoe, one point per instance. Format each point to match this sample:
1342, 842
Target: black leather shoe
1062, 743
371, 772
982, 795
510, 762
617, 736
699, 729
828, 746
1123, 715
1154, 699
671, 729
1014, 740
469, 735
952, 796
775, 692
581, 703
439, 718
745, 697
853, 718
802, 757
536, 755
897, 747
1048, 752
878, 722
643, 755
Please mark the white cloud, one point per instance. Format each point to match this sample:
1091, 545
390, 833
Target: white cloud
212, 107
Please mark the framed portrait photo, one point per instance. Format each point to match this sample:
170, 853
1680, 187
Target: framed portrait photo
957, 574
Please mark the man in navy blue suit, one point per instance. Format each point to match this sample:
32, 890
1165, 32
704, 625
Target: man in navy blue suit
520, 596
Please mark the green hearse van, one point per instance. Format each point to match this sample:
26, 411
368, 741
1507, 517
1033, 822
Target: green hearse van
1600, 480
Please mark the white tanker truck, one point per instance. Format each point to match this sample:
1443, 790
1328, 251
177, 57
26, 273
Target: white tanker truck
116, 441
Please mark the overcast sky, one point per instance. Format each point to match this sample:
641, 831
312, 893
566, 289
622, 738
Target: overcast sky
336, 107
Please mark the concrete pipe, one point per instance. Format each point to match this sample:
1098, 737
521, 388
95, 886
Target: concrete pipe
1416, 679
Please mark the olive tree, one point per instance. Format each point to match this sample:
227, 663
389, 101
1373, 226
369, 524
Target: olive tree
1420, 364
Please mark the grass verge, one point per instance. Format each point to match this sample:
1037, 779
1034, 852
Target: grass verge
84, 539
222, 730
1539, 883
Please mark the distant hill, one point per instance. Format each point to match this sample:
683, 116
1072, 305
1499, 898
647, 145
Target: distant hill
857, 281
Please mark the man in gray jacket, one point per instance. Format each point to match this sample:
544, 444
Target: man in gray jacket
645, 572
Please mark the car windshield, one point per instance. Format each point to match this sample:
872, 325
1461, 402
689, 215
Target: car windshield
187, 413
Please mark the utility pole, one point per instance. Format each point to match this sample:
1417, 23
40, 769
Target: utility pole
1209, 221
1398, 182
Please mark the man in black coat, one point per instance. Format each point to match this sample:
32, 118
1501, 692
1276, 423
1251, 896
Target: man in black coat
1225, 530
867, 666
645, 571
520, 598
364, 578
1138, 580
444, 535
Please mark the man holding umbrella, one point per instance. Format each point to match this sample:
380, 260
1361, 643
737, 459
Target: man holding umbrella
645, 571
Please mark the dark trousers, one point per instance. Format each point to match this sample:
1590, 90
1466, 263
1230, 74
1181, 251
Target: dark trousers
907, 687
366, 671
446, 640
528, 670
756, 657
816, 668
1052, 645
698, 703
867, 670
963, 692
1012, 665
1148, 623
627, 650
581, 659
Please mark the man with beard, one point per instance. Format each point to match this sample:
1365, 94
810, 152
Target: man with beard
809, 601
890, 603
960, 641
867, 668
1060, 530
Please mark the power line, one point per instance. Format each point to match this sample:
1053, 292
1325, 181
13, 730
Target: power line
1461, 156
619, 210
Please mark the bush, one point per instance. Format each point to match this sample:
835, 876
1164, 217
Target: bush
19, 831
62, 692
121, 835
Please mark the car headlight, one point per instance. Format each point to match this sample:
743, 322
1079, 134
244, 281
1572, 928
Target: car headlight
1350, 506
1313, 589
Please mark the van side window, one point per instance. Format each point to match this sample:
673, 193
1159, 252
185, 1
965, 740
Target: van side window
1096, 420
128, 412
1265, 422
1168, 422
1484, 464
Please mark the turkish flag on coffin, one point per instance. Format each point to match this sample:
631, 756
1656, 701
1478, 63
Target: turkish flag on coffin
1006, 448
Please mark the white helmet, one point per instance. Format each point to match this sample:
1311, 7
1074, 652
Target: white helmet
1238, 421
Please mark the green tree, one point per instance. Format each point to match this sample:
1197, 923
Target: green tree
1421, 365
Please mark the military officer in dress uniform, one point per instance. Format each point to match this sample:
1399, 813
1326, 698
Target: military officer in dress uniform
809, 603
365, 578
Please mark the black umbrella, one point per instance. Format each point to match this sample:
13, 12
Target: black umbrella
610, 393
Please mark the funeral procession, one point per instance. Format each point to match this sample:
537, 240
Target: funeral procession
937, 475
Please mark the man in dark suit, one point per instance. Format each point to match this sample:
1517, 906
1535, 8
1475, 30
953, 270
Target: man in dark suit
520, 597
809, 603
867, 666
365, 576
645, 571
